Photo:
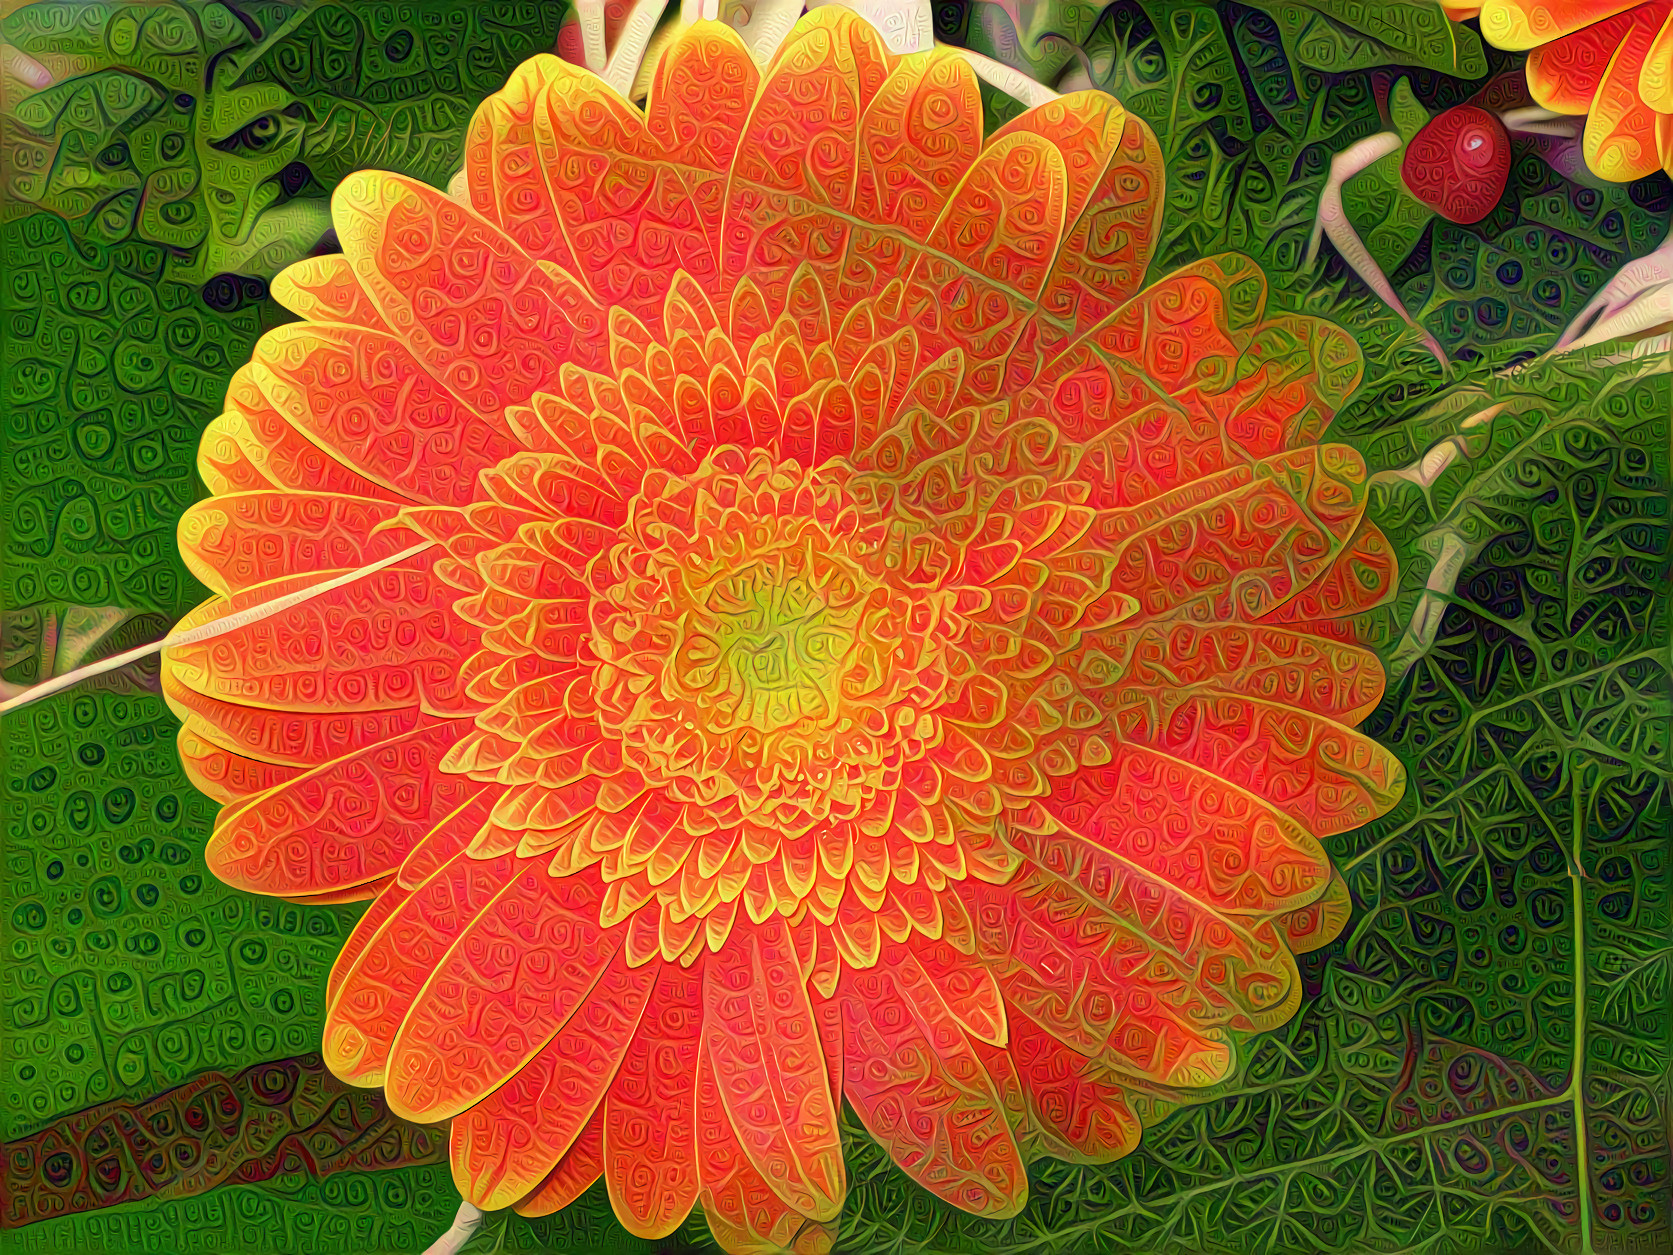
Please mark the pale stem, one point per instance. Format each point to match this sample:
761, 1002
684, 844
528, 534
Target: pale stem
769, 25
1616, 306
1011, 82
205, 631
641, 24
1425, 622
590, 14
907, 26
466, 1223
1536, 121
1333, 221
24, 68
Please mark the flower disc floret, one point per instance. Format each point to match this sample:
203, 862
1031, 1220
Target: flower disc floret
758, 658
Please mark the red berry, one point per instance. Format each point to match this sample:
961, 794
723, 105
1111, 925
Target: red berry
1459, 163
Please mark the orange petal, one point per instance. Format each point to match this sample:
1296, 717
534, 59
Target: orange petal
511, 981
920, 135
283, 455
1564, 75
1240, 390
365, 400
828, 1014
966, 986
225, 776
975, 287
886, 367
1621, 139
1147, 819
1359, 578
1325, 775
1655, 80
365, 929
554, 485
506, 1143
342, 824
1240, 544
1518, 25
700, 101
623, 205
437, 848
744, 1213
1114, 171
581, 1165
1101, 987
1321, 921
1143, 934
366, 891
1034, 1138
650, 1115
222, 463
1089, 1116
324, 289
763, 1042
921, 1091
1187, 330
377, 988
235, 540
508, 181
792, 183
287, 737
820, 424
1309, 672
486, 321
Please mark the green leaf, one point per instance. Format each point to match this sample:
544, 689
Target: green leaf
1342, 35
220, 134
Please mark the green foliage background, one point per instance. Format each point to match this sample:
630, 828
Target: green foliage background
1483, 1061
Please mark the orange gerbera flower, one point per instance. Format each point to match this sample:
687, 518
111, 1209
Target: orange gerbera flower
1609, 60
870, 650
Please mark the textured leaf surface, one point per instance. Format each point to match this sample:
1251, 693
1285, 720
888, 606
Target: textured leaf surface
219, 133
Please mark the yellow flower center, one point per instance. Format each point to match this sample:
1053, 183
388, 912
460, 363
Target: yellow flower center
765, 632
761, 657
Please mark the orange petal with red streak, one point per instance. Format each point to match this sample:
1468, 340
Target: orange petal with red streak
508, 984
377, 989
744, 1212
342, 824
1091, 1117
505, 1144
572, 1176
650, 1114
921, 1091
225, 776
762, 1039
